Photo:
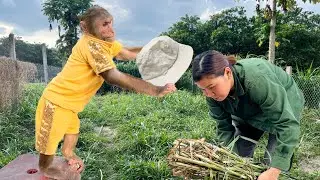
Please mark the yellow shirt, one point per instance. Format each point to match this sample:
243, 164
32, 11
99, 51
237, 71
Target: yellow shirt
79, 79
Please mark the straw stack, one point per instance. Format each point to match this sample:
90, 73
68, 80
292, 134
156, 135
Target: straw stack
197, 159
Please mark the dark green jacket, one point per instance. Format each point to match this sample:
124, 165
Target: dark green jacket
267, 98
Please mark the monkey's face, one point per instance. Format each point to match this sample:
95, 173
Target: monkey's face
103, 28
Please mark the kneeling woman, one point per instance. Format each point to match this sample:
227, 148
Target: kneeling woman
248, 98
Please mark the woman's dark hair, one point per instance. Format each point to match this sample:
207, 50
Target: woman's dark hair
210, 63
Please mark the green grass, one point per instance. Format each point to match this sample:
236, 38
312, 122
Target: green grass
146, 128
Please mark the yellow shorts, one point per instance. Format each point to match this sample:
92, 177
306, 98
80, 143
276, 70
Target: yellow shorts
52, 123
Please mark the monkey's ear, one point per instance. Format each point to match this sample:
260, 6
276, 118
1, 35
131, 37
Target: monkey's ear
83, 26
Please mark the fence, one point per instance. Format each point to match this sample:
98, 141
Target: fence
13, 74
309, 85
310, 88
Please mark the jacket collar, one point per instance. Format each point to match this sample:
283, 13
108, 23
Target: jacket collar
238, 89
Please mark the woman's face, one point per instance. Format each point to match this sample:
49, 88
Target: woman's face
217, 87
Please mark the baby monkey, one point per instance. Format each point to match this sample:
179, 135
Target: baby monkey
88, 66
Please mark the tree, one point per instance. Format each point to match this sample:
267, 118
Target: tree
271, 12
232, 32
189, 31
298, 33
65, 13
229, 32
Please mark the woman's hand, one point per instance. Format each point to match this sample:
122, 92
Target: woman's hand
270, 174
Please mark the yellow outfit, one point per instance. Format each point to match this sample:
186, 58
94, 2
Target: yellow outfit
69, 92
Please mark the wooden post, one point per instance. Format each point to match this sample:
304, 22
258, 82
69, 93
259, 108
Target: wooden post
12, 46
16, 80
289, 70
45, 64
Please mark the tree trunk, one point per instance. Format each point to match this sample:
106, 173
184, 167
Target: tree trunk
272, 37
15, 80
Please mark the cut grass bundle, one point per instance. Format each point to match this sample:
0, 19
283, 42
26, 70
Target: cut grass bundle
197, 159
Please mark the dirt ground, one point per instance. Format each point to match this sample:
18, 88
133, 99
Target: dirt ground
310, 165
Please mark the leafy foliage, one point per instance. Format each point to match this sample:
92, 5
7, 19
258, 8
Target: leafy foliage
232, 32
270, 12
65, 13
299, 36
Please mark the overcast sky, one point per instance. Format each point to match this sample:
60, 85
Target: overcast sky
136, 21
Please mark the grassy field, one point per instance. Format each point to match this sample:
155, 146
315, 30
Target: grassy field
127, 136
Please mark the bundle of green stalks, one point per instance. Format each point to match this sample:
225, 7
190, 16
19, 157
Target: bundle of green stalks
197, 159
